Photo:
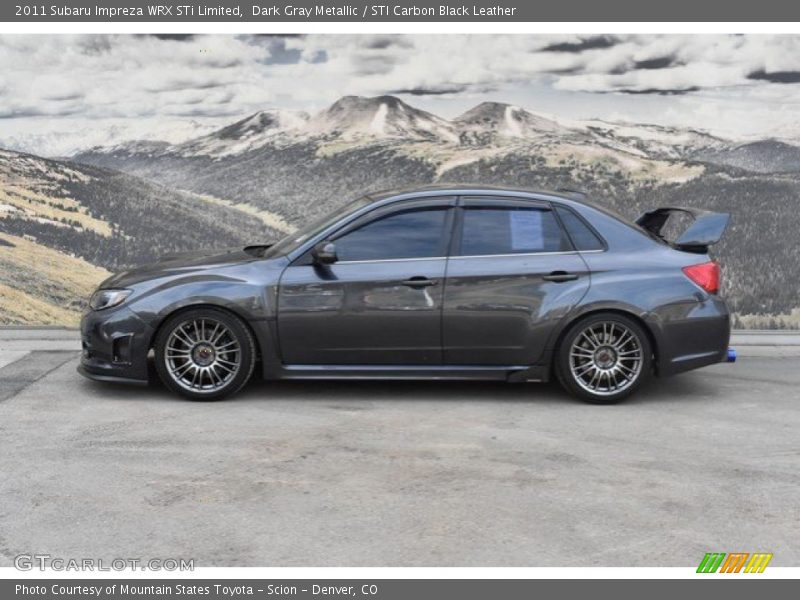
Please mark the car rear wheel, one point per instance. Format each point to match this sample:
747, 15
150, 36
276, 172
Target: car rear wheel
205, 354
604, 358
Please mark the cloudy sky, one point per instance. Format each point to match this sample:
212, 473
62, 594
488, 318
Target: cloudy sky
61, 92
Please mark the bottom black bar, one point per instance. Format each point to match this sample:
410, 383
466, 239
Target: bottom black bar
732, 586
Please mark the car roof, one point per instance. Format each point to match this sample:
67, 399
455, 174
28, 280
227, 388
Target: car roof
571, 196
471, 189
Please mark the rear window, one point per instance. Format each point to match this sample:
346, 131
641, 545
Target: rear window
624, 220
510, 230
581, 234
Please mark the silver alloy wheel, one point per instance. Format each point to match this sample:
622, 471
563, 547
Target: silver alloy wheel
606, 358
202, 355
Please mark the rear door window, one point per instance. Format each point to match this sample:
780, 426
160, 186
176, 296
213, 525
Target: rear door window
510, 230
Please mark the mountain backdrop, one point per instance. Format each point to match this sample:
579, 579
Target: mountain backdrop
64, 224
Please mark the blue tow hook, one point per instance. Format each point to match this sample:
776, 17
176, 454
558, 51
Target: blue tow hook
731, 354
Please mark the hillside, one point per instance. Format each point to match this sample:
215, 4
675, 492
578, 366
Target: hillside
764, 156
40, 286
65, 226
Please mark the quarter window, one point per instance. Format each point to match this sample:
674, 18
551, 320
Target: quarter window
408, 234
510, 230
582, 236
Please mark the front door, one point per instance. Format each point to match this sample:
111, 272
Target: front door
380, 303
512, 277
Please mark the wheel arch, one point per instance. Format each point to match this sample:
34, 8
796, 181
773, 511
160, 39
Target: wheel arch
637, 318
157, 327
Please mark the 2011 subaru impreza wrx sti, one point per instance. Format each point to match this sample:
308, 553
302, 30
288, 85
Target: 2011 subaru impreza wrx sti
436, 283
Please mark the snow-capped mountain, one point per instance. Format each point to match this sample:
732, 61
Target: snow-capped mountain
351, 118
653, 140
261, 123
492, 120
381, 117
388, 120
53, 137
250, 133
243, 157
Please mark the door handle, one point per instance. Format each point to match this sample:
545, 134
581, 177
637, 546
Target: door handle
419, 282
560, 276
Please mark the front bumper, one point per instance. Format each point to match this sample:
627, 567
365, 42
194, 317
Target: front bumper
115, 346
109, 378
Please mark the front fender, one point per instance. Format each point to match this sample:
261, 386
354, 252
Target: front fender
249, 292
249, 301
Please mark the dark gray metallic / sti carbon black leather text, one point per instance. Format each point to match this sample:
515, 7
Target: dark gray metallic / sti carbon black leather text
460, 282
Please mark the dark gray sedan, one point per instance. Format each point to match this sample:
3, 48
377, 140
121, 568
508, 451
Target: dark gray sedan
437, 283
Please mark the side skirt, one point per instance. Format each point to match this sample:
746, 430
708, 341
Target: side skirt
412, 372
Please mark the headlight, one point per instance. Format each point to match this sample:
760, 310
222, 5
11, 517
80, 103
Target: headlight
107, 298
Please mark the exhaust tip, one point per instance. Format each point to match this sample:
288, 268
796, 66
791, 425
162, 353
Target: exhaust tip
731, 355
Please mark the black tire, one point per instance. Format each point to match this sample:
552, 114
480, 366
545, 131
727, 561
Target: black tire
574, 366
224, 369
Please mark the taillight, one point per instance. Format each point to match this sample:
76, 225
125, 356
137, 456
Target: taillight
706, 275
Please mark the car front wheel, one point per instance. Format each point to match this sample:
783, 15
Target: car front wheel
204, 354
604, 358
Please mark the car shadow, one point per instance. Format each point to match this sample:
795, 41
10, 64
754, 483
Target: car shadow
686, 387
351, 391
413, 391
680, 388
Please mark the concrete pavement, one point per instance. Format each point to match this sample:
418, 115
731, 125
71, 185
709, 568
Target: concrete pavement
401, 473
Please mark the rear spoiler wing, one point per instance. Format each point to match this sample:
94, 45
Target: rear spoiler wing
705, 230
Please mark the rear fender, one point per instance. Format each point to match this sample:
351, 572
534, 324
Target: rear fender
650, 325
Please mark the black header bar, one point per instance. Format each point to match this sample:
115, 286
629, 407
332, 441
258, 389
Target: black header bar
130, 11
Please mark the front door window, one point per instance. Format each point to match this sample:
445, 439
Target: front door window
402, 235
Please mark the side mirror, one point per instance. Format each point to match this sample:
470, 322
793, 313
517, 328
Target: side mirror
324, 253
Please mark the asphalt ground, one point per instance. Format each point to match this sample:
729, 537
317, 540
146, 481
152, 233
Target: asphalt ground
400, 473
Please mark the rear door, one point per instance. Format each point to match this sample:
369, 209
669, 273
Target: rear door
512, 275
380, 303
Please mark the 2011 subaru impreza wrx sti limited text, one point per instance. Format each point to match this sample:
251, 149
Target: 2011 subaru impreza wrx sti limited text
437, 283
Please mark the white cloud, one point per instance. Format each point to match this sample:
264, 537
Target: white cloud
152, 79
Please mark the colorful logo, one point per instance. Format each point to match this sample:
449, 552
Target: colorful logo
736, 562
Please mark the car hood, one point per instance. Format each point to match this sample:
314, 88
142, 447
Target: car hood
182, 264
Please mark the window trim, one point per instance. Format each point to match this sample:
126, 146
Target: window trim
385, 260
502, 202
543, 253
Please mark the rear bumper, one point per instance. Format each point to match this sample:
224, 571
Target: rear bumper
692, 335
115, 346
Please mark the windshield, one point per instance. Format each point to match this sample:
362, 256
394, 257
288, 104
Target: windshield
294, 240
